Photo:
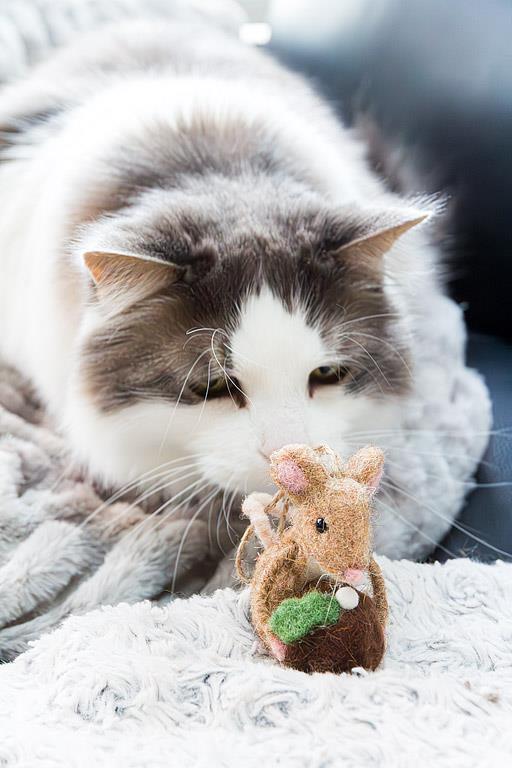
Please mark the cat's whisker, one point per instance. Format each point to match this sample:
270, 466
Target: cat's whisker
334, 356
222, 368
504, 432
144, 477
226, 374
194, 517
247, 359
169, 482
224, 496
220, 516
227, 513
180, 395
452, 523
191, 489
212, 333
355, 365
356, 444
410, 524
206, 392
469, 483
175, 465
195, 492
387, 343
370, 373
151, 492
345, 323
117, 495
194, 333
209, 523
234, 497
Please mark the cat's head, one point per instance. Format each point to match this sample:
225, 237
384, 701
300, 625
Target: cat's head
221, 327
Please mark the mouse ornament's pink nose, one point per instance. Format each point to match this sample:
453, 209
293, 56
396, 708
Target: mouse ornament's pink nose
354, 576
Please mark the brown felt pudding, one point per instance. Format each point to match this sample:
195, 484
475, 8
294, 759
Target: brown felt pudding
357, 640
322, 544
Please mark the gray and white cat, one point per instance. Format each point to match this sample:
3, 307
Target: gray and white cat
197, 264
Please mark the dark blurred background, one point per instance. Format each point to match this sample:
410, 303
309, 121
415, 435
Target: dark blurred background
435, 76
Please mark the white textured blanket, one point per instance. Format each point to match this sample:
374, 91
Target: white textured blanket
183, 685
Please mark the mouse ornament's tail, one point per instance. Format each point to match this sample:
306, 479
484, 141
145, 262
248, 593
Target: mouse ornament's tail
318, 598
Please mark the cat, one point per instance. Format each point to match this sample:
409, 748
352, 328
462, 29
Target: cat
197, 263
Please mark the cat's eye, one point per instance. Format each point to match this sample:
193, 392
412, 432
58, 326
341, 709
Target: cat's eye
221, 386
321, 525
217, 387
214, 388
326, 374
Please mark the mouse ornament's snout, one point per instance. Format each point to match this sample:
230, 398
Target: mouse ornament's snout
318, 598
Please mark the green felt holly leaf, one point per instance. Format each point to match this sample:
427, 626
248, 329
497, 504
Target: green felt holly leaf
294, 618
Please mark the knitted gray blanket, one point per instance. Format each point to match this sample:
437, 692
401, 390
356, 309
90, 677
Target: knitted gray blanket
64, 550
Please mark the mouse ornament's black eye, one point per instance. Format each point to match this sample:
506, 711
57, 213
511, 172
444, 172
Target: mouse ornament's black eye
321, 525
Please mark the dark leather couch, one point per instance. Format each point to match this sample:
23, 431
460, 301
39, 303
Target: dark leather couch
435, 76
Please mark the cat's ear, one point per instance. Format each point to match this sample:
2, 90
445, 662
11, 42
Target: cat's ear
124, 278
368, 236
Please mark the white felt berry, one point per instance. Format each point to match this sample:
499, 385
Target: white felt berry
347, 597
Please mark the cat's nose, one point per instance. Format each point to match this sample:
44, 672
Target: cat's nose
271, 444
268, 447
281, 432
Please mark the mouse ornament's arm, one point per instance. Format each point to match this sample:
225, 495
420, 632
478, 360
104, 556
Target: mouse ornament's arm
257, 507
279, 575
254, 507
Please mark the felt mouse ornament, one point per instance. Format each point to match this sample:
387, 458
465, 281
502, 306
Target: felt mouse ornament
310, 604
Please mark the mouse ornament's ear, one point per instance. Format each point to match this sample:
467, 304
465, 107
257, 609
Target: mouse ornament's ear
297, 470
366, 467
